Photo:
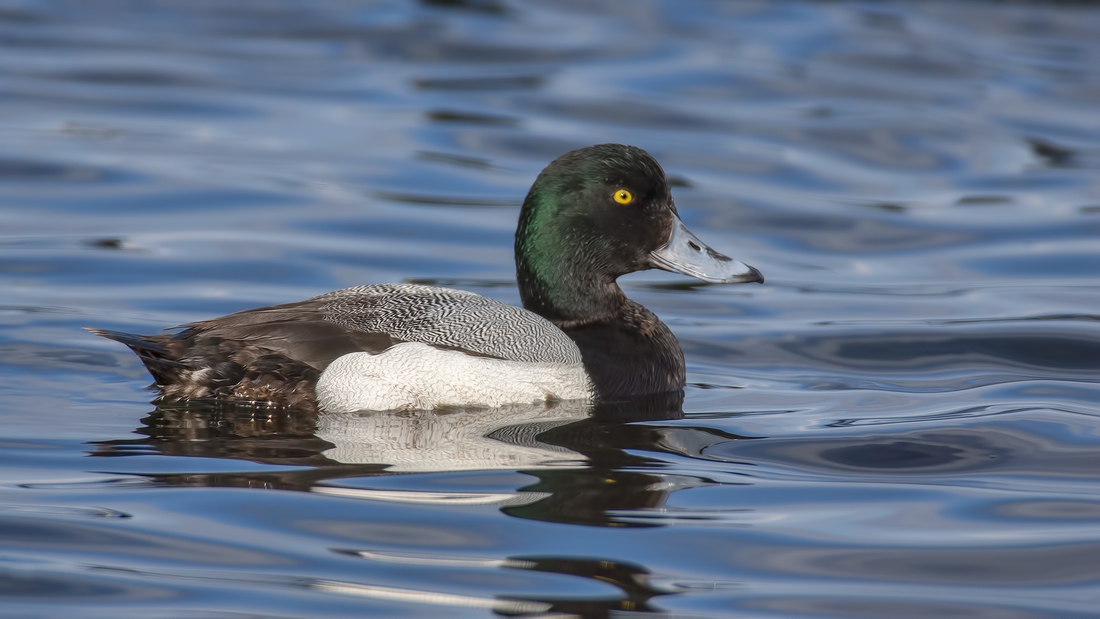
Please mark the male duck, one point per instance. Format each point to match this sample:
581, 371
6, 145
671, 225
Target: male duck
592, 215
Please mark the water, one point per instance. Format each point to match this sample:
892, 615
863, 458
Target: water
902, 422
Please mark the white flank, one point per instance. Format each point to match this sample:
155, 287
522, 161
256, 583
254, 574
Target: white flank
414, 376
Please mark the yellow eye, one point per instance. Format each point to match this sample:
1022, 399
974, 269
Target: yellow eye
623, 196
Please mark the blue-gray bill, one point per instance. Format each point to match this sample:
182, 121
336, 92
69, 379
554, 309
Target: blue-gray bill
684, 253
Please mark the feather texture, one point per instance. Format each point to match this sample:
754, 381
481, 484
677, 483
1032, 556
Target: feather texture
450, 318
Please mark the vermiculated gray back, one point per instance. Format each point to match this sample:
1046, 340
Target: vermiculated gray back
453, 318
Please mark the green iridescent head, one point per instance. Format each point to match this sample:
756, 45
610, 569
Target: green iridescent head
595, 214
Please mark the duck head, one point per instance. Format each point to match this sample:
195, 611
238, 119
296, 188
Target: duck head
595, 214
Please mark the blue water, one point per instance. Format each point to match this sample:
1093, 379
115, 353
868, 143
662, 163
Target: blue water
904, 421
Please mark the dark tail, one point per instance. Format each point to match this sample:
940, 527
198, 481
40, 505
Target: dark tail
151, 349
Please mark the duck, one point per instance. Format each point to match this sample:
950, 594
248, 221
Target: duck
591, 216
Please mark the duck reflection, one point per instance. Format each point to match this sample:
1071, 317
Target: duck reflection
635, 583
602, 465
589, 460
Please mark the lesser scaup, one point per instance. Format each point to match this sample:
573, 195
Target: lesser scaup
592, 215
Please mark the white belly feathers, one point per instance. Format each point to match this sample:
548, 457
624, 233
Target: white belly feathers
415, 376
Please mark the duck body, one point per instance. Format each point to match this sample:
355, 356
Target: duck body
590, 217
381, 347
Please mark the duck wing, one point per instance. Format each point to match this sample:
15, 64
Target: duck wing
448, 318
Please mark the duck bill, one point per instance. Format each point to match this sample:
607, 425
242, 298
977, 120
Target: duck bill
684, 253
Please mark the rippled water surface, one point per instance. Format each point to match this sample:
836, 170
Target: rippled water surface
902, 422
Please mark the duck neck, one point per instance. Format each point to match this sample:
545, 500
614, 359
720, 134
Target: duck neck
627, 350
562, 291
561, 269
